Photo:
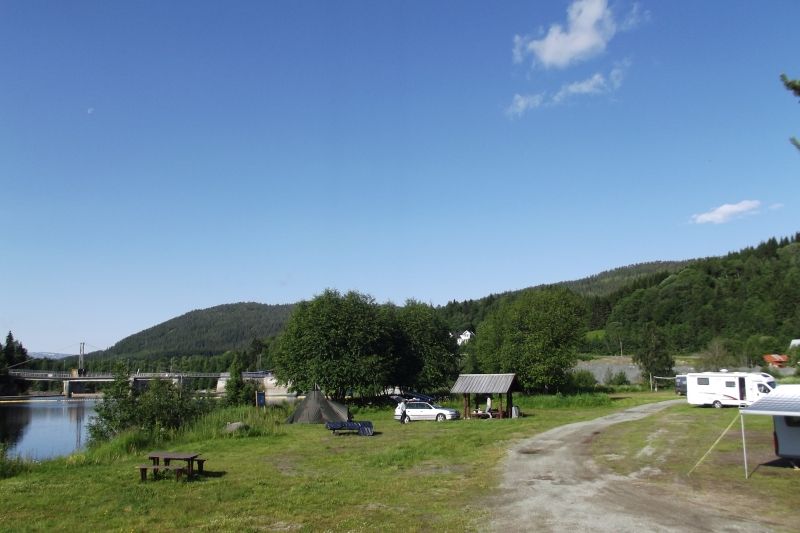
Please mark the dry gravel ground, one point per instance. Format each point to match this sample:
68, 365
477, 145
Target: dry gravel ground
551, 483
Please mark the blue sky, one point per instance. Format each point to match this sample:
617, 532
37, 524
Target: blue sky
159, 157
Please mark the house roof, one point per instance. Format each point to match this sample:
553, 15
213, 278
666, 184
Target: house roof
783, 401
776, 358
485, 384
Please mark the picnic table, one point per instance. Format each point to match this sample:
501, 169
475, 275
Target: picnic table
189, 457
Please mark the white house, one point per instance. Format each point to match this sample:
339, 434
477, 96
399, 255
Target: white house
794, 343
465, 337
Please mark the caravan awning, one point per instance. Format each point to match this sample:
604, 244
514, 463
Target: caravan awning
783, 401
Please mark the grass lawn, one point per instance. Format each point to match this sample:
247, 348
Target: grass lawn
664, 448
424, 476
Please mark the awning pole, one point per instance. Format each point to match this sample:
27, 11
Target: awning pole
744, 448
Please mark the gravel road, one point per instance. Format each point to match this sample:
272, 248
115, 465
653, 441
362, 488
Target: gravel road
551, 483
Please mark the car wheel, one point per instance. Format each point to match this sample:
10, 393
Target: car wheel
440, 417
407, 420
717, 404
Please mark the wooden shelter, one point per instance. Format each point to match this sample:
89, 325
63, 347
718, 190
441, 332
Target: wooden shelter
502, 384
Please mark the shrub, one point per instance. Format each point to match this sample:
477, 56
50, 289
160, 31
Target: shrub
620, 378
160, 409
582, 380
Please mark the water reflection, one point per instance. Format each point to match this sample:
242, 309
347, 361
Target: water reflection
45, 429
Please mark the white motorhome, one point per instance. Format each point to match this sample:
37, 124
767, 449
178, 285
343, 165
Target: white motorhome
727, 388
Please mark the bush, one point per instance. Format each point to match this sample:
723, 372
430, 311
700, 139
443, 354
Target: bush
158, 410
620, 378
582, 380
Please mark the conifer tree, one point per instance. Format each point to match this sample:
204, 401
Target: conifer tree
794, 87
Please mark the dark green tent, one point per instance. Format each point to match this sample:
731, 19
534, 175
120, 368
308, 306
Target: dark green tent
317, 409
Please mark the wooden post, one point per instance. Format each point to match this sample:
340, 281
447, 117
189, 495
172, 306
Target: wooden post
501, 406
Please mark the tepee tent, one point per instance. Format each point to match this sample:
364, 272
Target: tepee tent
317, 409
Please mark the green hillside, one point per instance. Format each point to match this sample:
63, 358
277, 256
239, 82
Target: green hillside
206, 331
601, 289
750, 299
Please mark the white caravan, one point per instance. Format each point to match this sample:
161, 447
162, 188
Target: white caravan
727, 388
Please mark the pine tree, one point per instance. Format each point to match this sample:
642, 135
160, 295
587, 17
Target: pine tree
794, 87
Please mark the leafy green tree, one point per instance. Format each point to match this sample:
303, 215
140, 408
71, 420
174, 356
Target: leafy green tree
653, 358
117, 412
716, 356
431, 353
794, 87
534, 335
234, 387
339, 343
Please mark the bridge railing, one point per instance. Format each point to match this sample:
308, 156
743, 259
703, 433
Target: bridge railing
59, 375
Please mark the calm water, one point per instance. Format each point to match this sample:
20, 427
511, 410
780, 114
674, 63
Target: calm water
45, 429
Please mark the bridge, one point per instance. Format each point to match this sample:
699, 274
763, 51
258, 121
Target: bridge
97, 377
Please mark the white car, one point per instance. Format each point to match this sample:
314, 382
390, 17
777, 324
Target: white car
428, 411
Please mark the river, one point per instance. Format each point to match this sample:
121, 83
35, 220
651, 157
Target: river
45, 428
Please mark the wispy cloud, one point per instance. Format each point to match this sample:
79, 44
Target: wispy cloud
522, 103
727, 212
590, 26
775, 207
635, 17
595, 84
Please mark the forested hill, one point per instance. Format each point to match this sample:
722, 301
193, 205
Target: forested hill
206, 331
607, 286
749, 300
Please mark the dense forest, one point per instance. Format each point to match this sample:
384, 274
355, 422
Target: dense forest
745, 303
601, 290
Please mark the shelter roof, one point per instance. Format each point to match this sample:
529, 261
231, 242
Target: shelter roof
485, 384
783, 401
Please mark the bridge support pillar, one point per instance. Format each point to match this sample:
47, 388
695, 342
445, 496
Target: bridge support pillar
67, 389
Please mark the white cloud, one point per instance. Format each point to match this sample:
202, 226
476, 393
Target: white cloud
727, 212
595, 84
522, 103
636, 16
590, 26
775, 207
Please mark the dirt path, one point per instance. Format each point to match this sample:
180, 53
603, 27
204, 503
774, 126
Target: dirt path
551, 483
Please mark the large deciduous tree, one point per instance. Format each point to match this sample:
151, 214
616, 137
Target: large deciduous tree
429, 360
339, 343
653, 358
534, 335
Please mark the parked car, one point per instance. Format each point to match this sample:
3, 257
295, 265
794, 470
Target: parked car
428, 411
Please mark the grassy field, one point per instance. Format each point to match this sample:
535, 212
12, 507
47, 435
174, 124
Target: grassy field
424, 476
664, 448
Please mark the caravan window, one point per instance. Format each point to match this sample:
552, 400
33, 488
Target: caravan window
730, 384
702, 381
792, 421
763, 389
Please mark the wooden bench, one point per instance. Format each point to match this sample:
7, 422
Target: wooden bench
179, 470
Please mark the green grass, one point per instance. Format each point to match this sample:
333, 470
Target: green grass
424, 476
667, 446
